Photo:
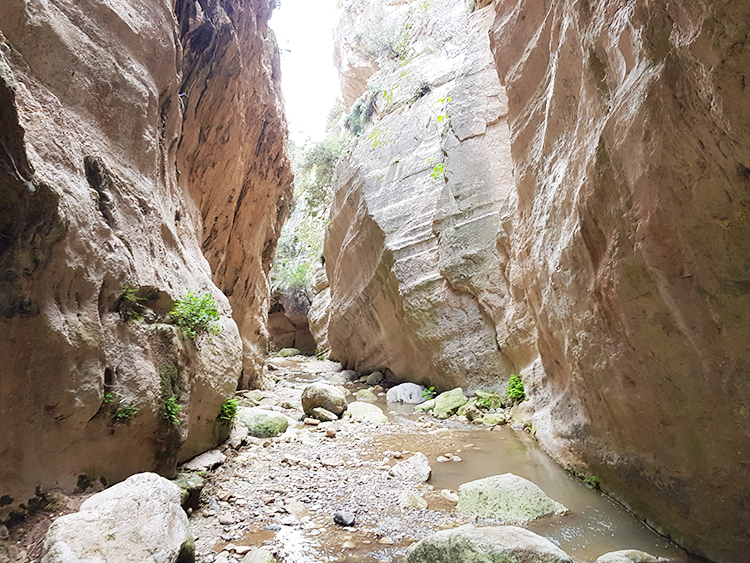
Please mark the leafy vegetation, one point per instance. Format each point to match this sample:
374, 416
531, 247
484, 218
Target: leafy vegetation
172, 411
362, 111
228, 411
515, 391
125, 412
129, 304
196, 314
429, 393
300, 244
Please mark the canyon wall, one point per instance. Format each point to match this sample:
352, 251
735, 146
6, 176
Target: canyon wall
106, 206
630, 132
417, 249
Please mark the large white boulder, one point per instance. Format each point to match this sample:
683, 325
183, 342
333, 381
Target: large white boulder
409, 393
137, 521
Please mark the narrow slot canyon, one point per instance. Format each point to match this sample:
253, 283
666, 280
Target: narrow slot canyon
374, 281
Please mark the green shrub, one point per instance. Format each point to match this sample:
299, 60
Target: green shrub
129, 304
125, 412
228, 410
172, 411
515, 391
196, 314
429, 393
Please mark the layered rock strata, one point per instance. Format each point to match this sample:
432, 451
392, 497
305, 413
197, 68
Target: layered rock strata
417, 250
102, 229
630, 130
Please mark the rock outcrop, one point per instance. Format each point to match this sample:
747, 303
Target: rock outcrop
288, 325
416, 253
630, 130
105, 208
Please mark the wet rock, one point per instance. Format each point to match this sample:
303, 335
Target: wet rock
506, 497
410, 499
349, 374
426, 406
139, 519
366, 412
323, 415
492, 418
344, 518
630, 556
416, 468
374, 378
288, 352
366, 395
262, 423
191, 485
448, 403
259, 556
206, 461
492, 544
409, 393
323, 395
238, 436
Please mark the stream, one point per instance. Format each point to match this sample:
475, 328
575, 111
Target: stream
282, 493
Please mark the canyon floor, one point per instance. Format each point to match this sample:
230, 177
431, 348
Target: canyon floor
282, 493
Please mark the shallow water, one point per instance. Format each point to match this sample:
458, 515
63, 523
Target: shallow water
596, 524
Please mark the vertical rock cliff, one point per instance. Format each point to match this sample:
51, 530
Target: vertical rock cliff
417, 250
104, 201
630, 129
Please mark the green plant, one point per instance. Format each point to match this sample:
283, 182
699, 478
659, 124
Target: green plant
228, 410
125, 412
515, 391
196, 314
592, 482
129, 304
109, 397
172, 411
438, 172
429, 393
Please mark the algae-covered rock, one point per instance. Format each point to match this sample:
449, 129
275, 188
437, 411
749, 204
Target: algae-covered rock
487, 399
366, 395
287, 352
262, 423
508, 498
448, 403
491, 544
492, 418
426, 406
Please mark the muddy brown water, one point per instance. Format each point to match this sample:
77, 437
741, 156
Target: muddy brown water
595, 525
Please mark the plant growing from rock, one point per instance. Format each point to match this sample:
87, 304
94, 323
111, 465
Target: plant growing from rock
196, 314
515, 391
228, 411
129, 304
125, 412
172, 411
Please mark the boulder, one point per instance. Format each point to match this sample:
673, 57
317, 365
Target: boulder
366, 395
492, 418
349, 374
137, 520
374, 378
323, 415
630, 556
262, 423
190, 485
259, 556
492, 544
416, 468
508, 498
323, 395
448, 403
409, 393
205, 461
366, 412
426, 406
288, 352
487, 399
344, 518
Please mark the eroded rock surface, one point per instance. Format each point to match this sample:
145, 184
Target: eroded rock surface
105, 211
416, 252
630, 135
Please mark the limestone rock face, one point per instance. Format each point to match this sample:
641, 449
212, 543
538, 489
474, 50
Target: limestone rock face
288, 326
416, 253
630, 128
232, 156
102, 228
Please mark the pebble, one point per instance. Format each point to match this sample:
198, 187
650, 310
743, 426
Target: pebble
226, 520
344, 518
330, 432
349, 545
312, 421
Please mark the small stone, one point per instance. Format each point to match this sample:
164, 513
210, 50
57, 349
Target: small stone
374, 378
366, 395
259, 556
441, 459
4, 534
449, 495
410, 499
312, 421
330, 433
344, 518
416, 468
349, 374
323, 415
226, 519
349, 544
205, 461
